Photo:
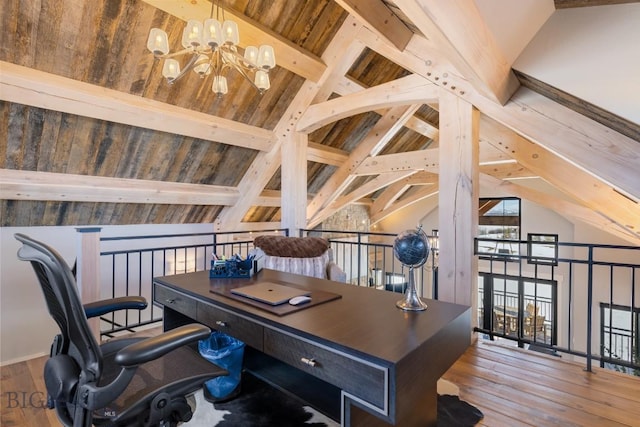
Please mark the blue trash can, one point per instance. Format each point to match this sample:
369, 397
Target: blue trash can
226, 352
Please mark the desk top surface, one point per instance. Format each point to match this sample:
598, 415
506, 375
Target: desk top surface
364, 319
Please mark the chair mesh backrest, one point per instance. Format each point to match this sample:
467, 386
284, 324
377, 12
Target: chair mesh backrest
63, 302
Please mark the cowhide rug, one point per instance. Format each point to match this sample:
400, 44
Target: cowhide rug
260, 405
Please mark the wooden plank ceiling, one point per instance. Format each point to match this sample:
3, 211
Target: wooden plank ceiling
91, 134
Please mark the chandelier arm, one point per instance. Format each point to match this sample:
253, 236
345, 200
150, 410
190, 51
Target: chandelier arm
174, 54
240, 60
242, 72
187, 67
238, 67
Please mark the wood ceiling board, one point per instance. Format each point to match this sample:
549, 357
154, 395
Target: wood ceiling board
30, 87
24, 213
59, 143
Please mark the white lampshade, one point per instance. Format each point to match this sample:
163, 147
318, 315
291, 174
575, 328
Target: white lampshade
192, 34
212, 33
266, 57
158, 42
251, 55
262, 80
171, 69
219, 86
230, 31
202, 66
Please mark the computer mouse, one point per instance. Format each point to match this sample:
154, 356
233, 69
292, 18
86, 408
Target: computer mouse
299, 300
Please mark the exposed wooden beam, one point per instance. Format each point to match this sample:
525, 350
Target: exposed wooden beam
408, 160
288, 54
358, 195
566, 4
563, 207
395, 190
28, 86
293, 170
421, 56
427, 160
346, 86
30, 185
338, 71
600, 115
596, 149
458, 199
507, 171
423, 193
269, 198
266, 164
324, 154
376, 139
371, 186
474, 51
565, 176
412, 89
376, 15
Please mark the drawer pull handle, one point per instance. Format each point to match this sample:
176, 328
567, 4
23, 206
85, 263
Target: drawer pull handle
309, 361
170, 300
221, 323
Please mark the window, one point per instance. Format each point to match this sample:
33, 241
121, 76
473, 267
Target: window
542, 248
499, 220
620, 338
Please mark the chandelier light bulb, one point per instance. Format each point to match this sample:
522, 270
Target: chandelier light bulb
251, 55
266, 57
202, 66
262, 80
192, 34
230, 31
212, 33
219, 86
158, 42
171, 69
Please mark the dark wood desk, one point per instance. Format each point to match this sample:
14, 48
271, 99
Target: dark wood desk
366, 360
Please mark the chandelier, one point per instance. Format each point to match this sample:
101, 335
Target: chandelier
213, 49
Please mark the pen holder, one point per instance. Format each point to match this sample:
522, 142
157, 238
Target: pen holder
230, 269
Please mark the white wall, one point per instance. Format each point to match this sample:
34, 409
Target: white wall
591, 53
26, 330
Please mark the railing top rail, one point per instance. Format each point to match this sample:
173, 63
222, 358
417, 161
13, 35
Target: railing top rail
155, 236
369, 233
569, 244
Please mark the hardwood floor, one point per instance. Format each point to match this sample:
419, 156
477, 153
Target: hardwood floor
512, 387
515, 387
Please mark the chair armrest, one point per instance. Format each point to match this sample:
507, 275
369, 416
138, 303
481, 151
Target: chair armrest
98, 308
155, 347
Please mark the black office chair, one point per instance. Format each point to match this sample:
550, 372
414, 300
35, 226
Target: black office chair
123, 382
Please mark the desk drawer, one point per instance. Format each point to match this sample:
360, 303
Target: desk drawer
175, 300
357, 377
244, 330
